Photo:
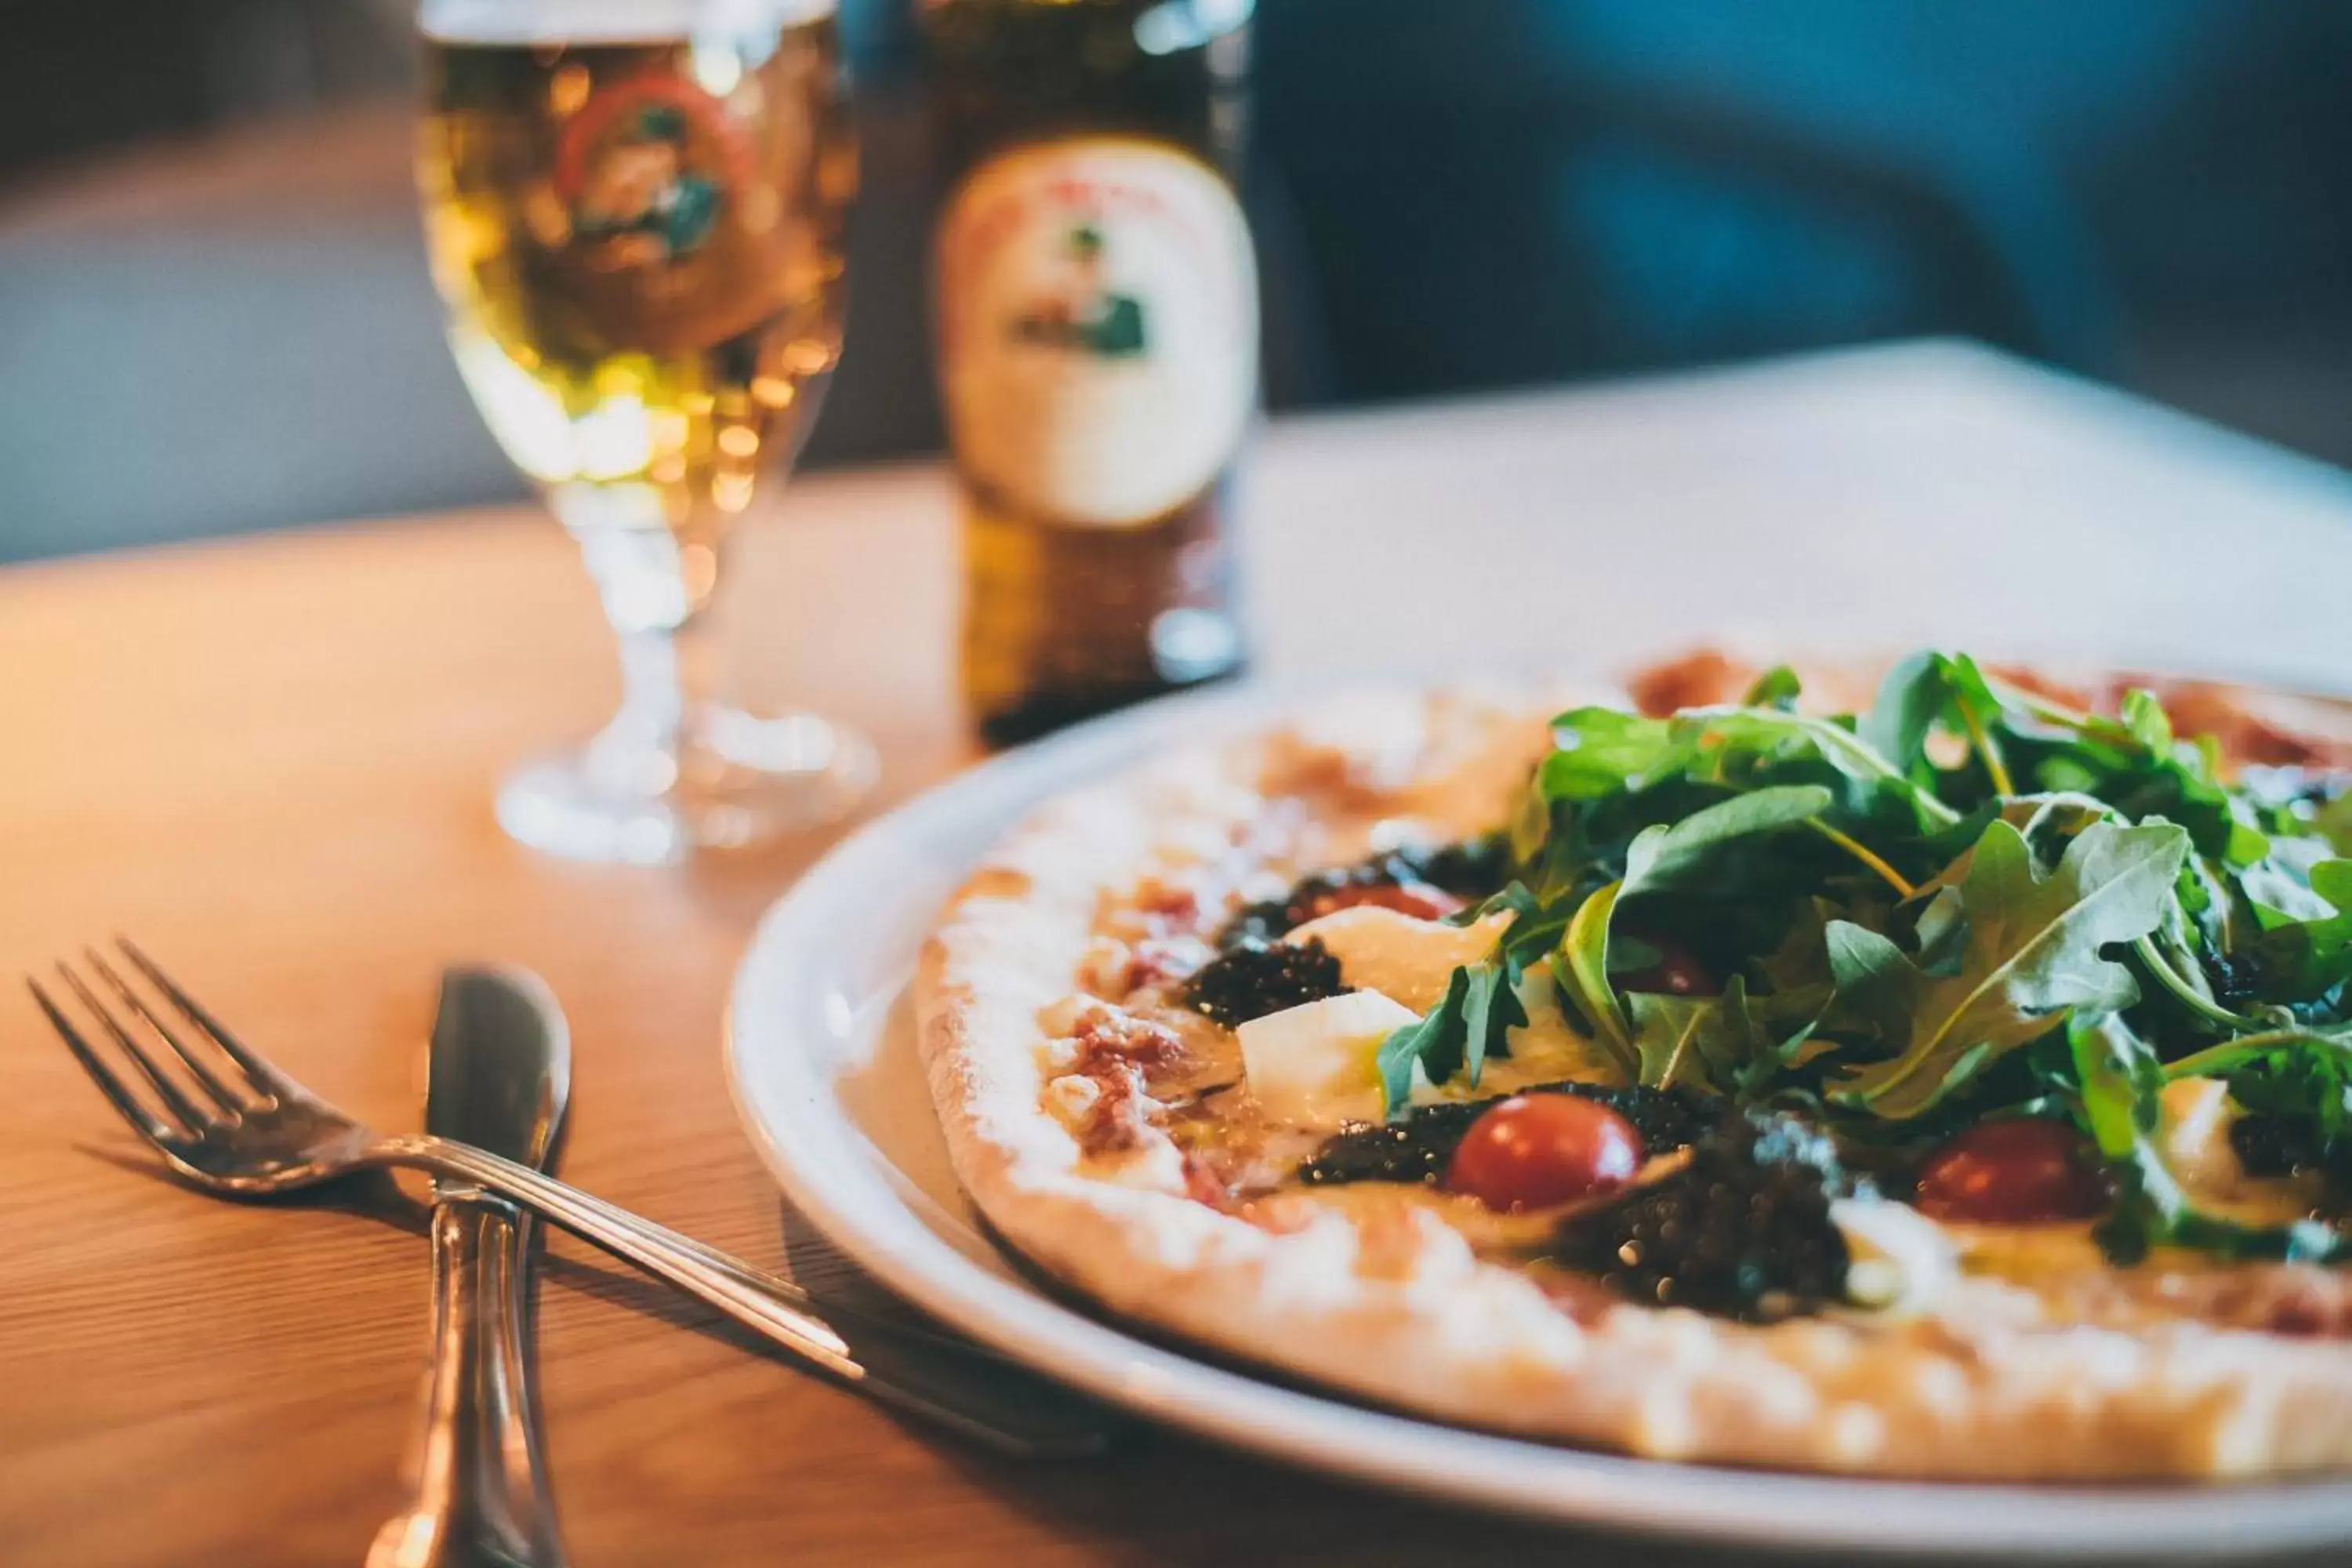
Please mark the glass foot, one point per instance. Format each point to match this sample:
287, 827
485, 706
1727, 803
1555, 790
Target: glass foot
741, 779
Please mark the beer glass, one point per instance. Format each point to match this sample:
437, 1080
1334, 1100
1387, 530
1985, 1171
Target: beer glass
634, 211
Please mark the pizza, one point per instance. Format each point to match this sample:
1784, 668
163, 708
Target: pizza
1940, 1071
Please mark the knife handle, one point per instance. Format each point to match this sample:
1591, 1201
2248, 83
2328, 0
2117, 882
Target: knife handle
480, 1497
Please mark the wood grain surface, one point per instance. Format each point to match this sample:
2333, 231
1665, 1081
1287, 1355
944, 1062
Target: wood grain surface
270, 761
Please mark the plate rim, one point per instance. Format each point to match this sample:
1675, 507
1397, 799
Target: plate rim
1390, 1450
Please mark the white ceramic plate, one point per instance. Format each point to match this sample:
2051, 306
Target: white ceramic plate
822, 1056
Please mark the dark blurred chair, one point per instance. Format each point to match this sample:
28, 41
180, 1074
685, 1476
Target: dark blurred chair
1930, 244
1533, 190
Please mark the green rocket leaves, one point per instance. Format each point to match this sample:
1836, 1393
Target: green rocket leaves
1970, 900
2031, 959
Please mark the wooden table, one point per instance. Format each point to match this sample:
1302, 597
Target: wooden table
271, 760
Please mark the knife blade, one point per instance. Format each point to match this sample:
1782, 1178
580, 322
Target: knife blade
499, 1076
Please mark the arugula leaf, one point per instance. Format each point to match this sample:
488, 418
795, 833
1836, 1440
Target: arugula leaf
1775, 1032
1973, 704
2333, 822
1909, 698
1731, 743
1667, 1029
2135, 763
2032, 957
1602, 752
1942, 932
1735, 1043
2331, 880
1490, 1011
2049, 822
1435, 1044
1582, 966
2332, 1046
1776, 688
1530, 821
1472, 1023
2120, 1081
1877, 984
2303, 959
1802, 957
1932, 691
2169, 953
2178, 972
2052, 819
1660, 858
2280, 886
1668, 856
2177, 780
2144, 717
1514, 899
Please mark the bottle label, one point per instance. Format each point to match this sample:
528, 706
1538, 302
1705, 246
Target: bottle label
1098, 320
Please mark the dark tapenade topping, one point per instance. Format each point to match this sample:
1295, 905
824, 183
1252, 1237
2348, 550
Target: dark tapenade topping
1466, 871
1419, 1148
1254, 977
2274, 1145
1473, 868
1742, 1231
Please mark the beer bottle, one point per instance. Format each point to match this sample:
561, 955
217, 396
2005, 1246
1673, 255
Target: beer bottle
1096, 316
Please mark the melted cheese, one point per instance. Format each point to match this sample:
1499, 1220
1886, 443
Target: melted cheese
2194, 1133
1314, 1065
1902, 1260
1408, 959
1548, 1047
2027, 1253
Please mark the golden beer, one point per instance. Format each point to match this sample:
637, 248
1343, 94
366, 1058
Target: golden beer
634, 210
638, 239
1096, 304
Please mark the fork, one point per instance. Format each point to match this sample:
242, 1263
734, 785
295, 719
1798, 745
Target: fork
241, 1127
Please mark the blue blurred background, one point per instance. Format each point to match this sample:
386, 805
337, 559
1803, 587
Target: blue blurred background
214, 317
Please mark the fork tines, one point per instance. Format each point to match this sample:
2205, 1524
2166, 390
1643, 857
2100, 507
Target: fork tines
214, 1084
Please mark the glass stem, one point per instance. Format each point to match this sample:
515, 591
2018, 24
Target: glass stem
653, 587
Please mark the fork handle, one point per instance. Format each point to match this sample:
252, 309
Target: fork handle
961, 1388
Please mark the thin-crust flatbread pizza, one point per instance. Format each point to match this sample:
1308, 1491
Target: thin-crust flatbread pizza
1937, 1071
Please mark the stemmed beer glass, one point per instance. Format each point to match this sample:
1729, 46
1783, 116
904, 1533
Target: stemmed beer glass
634, 210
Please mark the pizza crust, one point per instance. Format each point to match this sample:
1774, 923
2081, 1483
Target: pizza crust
1395, 1306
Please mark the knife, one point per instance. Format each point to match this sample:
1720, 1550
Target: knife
500, 1076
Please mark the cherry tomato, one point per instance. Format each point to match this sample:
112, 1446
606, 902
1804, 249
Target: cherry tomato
1535, 1150
2026, 1170
1677, 973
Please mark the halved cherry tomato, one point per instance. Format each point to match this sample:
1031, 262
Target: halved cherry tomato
1535, 1150
2027, 1170
1677, 972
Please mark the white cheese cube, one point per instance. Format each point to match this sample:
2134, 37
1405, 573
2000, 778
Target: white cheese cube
1902, 1260
1316, 1065
1402, 957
